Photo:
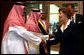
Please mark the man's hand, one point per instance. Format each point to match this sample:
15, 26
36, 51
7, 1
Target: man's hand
43, 42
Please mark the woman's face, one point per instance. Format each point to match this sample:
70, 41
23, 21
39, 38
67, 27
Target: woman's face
61, 16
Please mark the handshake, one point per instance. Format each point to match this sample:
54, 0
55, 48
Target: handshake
43, 41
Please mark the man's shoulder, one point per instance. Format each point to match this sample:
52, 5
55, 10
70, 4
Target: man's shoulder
73, 25
79, 18
79, 15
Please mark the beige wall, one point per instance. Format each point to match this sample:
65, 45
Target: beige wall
80, 4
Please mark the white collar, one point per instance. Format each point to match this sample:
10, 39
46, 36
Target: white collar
44, 23
74, 14
68, 23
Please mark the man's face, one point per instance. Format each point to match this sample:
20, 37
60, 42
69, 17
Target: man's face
72, 9
24, 12
43, 16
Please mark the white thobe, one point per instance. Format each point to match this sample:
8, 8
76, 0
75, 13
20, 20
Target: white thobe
13, 41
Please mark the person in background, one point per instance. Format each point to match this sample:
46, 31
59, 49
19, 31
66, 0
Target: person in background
44, 27
54, 28
67, 34
43, 23
77, 18
15, 35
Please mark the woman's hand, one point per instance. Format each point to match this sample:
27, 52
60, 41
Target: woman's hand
51, 36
